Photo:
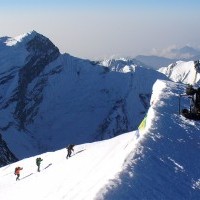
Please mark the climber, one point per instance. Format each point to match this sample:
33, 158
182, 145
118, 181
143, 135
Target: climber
38, 162
17, 172
69, 150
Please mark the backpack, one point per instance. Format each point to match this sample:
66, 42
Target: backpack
190, 90
16, 169
70, 147
38, 161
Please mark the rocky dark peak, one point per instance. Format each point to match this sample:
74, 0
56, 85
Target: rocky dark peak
40, 45
6, 156
41, 52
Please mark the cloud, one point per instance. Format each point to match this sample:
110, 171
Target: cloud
173, 51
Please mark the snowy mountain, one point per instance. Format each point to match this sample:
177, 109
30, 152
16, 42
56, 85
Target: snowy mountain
121, 64
186, 52
165, 164
49, 100
160, 161
183, 72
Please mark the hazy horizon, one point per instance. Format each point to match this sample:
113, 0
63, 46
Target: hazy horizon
100, 29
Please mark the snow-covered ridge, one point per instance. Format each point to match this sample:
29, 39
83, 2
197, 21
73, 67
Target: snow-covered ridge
12, 41
123, 65
181, 71
165, 164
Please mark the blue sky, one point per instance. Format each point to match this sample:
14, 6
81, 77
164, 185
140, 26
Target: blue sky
101, 3
102, 28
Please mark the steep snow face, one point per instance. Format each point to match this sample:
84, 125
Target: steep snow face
22, 59
11, 57
41, 53
15, 81
84, 102
15, 51
184, 72
166, 163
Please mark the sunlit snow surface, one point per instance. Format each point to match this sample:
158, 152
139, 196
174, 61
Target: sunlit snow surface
79, 177
160, 162
166, 164
181, 71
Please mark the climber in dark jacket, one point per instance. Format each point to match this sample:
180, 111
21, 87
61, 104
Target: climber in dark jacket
38, 162
69, 150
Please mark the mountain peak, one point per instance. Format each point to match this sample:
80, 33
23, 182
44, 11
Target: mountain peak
186, 50
26, 37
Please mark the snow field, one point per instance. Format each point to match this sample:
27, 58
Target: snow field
89, 169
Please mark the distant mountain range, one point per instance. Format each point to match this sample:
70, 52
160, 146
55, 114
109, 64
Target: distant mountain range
186, 53
155, 62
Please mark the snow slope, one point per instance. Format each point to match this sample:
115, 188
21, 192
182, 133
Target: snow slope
181, 71
158, 162
166, 163
79, 177
13, 52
